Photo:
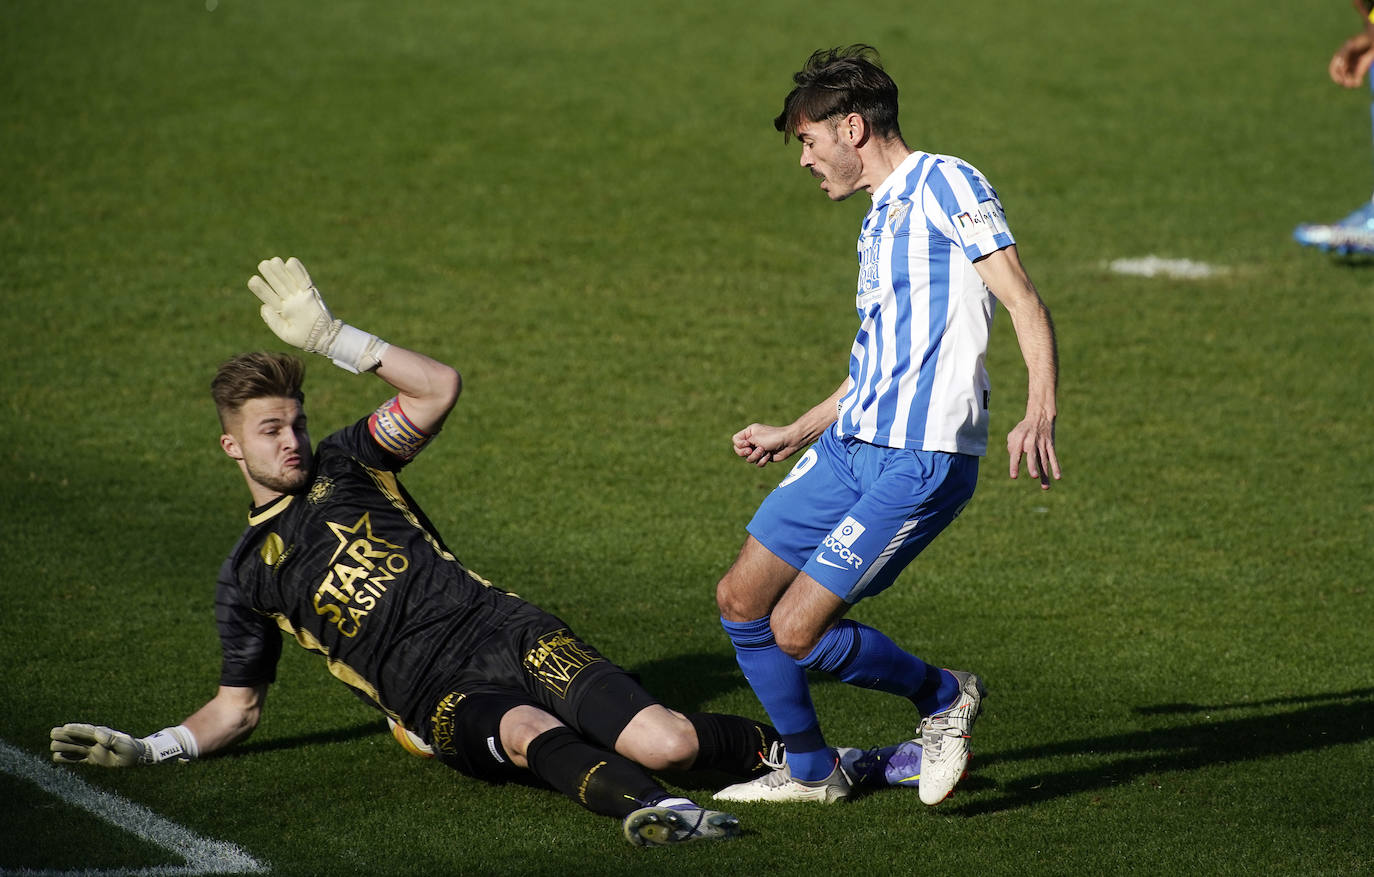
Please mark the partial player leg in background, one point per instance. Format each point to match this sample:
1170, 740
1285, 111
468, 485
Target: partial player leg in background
1351, 235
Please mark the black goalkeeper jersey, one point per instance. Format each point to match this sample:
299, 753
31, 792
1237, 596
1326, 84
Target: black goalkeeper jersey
351, 567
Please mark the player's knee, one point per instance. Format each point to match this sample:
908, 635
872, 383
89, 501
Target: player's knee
729, 599
796, 640
660, 739
739, 598
753, 584
520, 726
676, 749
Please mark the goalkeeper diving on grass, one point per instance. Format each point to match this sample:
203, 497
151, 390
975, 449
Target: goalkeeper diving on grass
338, 556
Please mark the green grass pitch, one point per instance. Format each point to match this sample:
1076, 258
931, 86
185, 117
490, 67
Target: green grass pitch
586, 210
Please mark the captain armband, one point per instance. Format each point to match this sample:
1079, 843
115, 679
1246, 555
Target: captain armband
177, 742
394, 432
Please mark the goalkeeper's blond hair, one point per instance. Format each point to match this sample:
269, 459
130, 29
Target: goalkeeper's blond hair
256, 376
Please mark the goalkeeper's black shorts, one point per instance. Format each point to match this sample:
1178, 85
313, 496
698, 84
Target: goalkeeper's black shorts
533, 660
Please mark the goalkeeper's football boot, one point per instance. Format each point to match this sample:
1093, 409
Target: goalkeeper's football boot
779, 786
1354, 234
944, 739
898, 765
903, 767
864, 767
679, 823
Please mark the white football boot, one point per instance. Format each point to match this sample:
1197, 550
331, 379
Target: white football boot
944, 739
780, 786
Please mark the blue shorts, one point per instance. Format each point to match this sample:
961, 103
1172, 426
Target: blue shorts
852, 515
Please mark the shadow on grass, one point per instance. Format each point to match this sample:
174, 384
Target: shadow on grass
1357, 261
1167, 708
336, 735
687, 682
1321, 721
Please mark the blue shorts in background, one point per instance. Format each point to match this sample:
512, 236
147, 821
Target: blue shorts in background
852, 515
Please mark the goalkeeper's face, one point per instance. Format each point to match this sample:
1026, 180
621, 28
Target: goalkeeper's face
270, 441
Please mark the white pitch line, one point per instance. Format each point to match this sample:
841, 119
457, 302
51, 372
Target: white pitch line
202, 855
1154, 266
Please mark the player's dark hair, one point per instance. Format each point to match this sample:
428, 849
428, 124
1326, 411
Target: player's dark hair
256, 376
837, 82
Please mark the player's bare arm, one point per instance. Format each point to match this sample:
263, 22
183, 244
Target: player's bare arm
1033, 437
224, 720
227, 718
761, 444
427, 389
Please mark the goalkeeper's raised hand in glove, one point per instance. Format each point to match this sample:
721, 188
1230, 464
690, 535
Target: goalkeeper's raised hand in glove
292, 308
79, 743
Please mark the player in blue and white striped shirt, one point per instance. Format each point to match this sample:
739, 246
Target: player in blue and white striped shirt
896, 446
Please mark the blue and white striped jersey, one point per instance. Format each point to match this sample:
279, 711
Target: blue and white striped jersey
916, 370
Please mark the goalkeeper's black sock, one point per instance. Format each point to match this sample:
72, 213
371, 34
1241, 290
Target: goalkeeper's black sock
601, 781
731, 744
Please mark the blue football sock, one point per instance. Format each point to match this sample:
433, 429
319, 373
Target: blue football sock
780, 685
939, 691
810, 767
866, 657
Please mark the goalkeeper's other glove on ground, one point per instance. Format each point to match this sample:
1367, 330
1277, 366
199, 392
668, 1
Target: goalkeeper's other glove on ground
79, 743
292, 308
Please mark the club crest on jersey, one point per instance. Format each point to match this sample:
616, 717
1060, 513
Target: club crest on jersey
320, 491
841, 541
897, 215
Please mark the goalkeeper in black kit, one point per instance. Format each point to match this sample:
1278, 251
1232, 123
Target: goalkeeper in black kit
339, 557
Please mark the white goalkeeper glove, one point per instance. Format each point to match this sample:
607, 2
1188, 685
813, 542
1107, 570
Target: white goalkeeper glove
79, 743
292, 308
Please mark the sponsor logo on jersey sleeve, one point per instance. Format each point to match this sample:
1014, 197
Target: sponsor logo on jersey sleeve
980, 226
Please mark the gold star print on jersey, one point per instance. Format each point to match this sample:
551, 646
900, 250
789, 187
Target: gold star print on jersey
351, 589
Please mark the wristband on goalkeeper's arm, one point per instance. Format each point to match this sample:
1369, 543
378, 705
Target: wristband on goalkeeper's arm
352, 349
176, 742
